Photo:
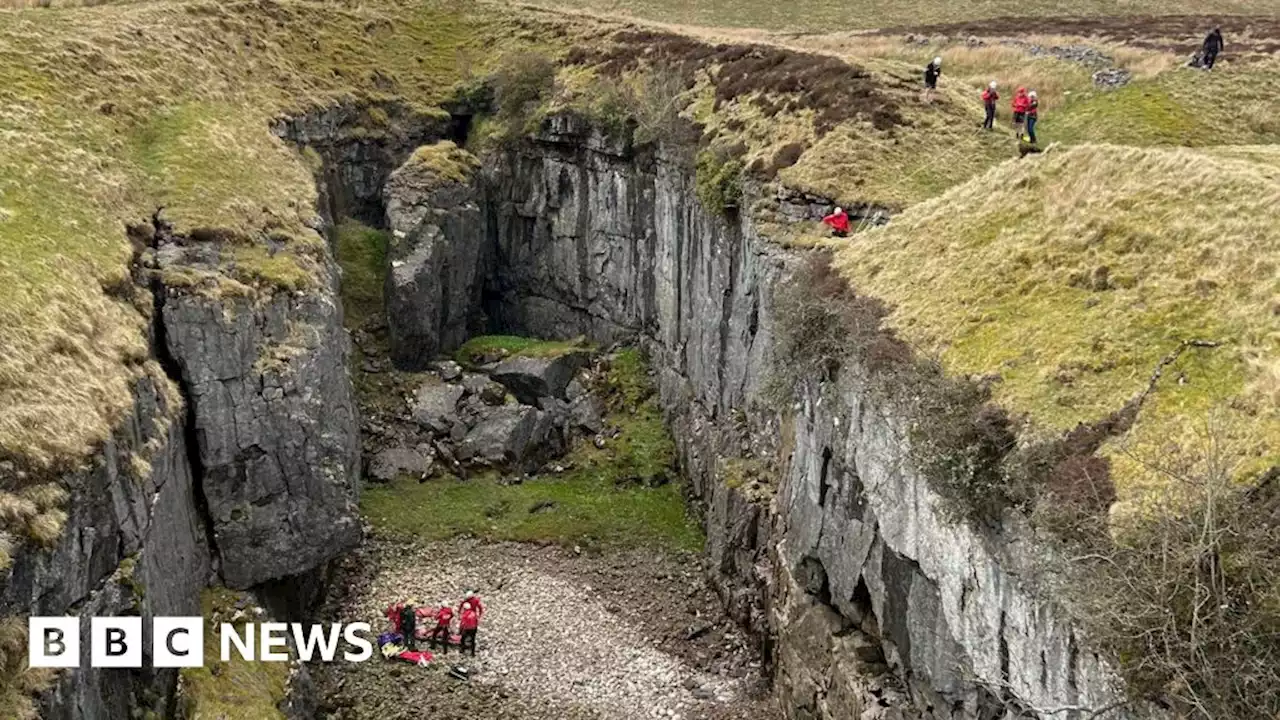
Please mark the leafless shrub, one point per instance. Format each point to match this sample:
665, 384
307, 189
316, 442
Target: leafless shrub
1185, 591
523, 80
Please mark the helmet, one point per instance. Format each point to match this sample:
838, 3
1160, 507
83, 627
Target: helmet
1032, 94
993, 85
466, 606
937, 60
838, 211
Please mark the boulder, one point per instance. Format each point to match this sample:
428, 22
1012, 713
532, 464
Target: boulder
587, 414
393, 462
435, 404
530, 378
490, 392
448, 370
505, 436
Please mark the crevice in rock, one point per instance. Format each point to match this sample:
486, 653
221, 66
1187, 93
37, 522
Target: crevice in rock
825, 480
162, 232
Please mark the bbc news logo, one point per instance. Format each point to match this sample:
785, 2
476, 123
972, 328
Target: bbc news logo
178, 642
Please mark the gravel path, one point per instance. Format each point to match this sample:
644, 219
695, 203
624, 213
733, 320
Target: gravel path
565, 636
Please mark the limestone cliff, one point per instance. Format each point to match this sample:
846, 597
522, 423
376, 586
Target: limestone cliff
237, 465
868, 599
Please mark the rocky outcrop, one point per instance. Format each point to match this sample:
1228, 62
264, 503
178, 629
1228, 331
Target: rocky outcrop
358, 144
870, 603
133, 544
274, 421
435, 261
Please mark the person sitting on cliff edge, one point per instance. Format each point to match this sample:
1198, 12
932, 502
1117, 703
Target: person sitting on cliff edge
838, 221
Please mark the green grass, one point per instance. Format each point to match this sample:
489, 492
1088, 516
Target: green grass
514, 346
235, 689
587, 511
1233, 105
362, 253
994, 277
599, 502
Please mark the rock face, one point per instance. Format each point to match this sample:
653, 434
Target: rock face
273, 414
869, 603
433, 281
134, 543
238, 465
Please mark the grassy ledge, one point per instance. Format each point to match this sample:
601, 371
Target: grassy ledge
235, 689
476, 349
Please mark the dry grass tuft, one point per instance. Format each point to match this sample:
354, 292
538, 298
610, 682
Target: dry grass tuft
1069, 277
18, 682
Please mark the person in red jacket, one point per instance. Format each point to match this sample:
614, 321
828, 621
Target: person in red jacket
393, 615
989, 98
1020, 105
471, 597
468, 623
440, 634
838, 221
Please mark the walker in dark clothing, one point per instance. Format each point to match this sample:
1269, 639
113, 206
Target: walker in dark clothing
1213, 45
931, 73
408, 626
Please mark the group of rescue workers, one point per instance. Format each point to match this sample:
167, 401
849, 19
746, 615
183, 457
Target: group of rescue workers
405, 619
1025, 109
1026, 104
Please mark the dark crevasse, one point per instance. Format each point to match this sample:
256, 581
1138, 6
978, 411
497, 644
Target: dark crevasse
865, 597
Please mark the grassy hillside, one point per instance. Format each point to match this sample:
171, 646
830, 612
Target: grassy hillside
1071, 276
109, 113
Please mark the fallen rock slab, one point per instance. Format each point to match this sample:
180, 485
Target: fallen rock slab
435, 405
531, 378
505, 436
389, 464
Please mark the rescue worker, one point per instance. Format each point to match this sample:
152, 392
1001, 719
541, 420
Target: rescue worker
468, 623
838, 221
1033, 115
393, 615
931, 73
1020, 104
440, 634
470, 596
989, 98
1213, 45
409, 625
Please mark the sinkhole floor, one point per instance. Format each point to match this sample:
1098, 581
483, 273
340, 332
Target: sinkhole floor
624, 634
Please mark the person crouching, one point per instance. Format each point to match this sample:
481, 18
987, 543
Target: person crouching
838, 221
